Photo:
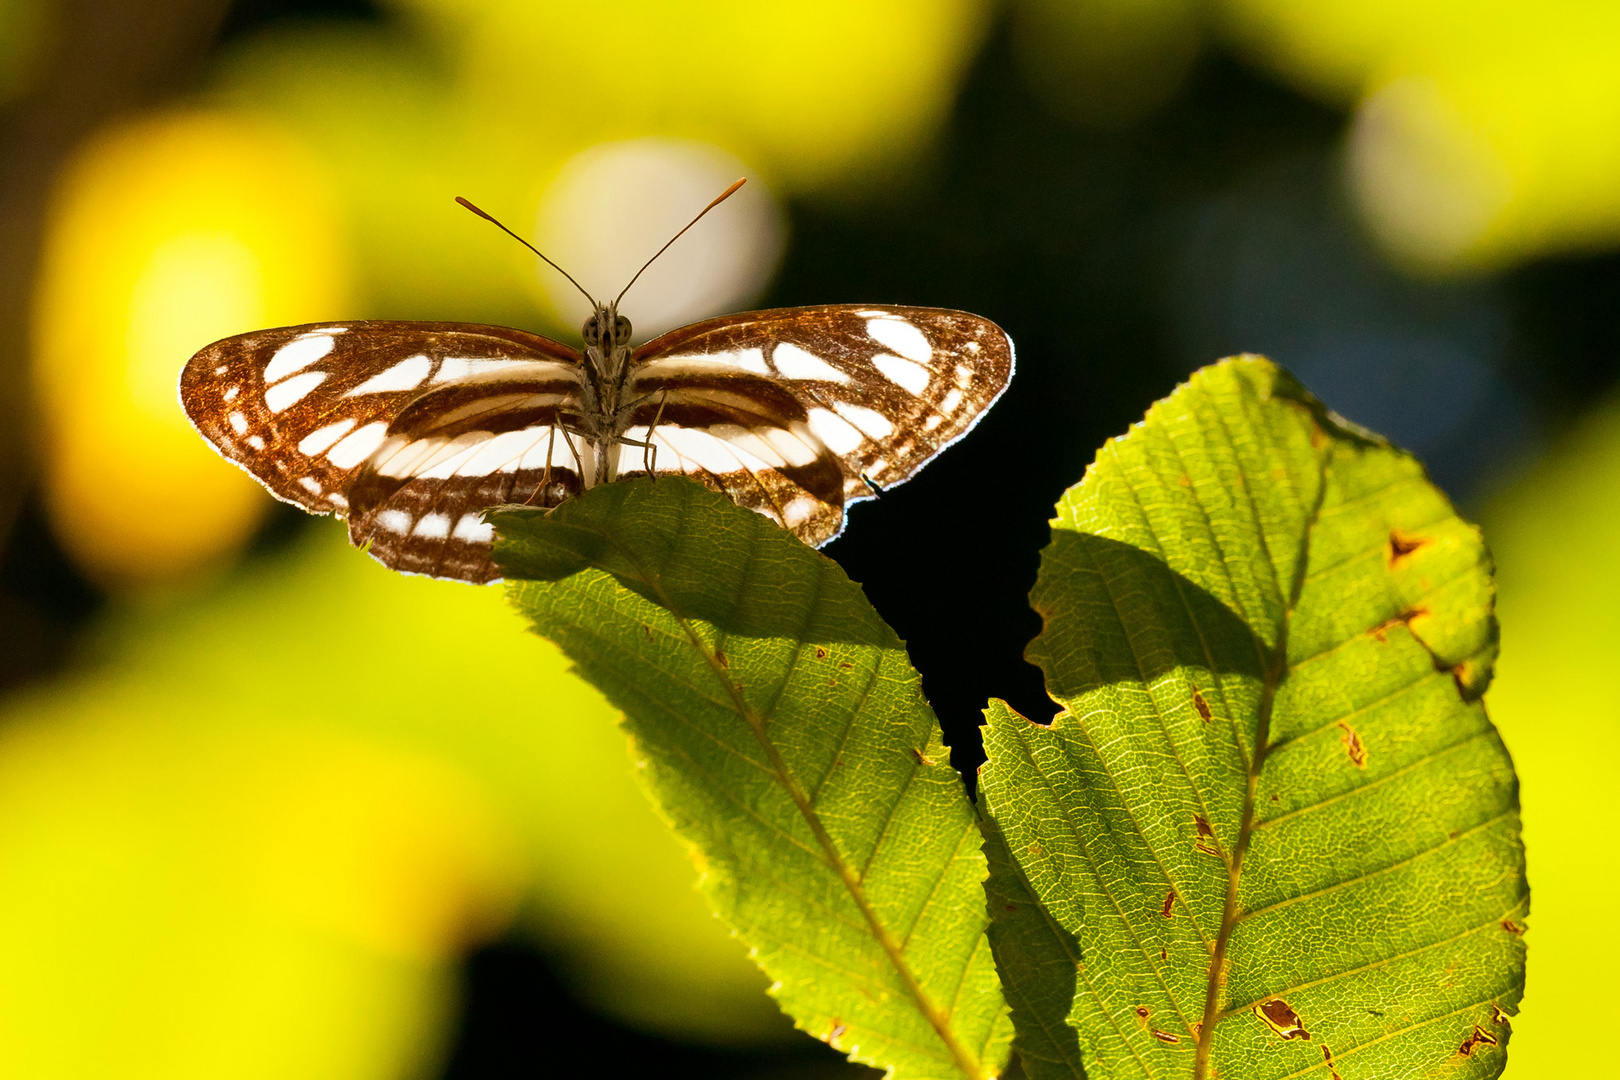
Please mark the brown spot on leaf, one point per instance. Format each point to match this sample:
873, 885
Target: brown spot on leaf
1479, 1038
1035, 848
1164, 954
1381, 631
1185, 481
922, 758
1353, 745
721, 658
1169, 899
1202, 706
1512, 927
1196, 1028
1165, 1036
1012, 907
1206, 837
837, 1031
1274, 798
1401, 545
1327, 1059
821, 654
1142, 1014
1498, 1017
846, 666
645, 629
1280, 1017
1466, 676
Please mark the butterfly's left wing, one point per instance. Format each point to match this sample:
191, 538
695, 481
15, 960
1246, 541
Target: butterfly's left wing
410, 430
798, 412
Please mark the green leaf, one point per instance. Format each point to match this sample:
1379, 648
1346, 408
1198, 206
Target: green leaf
785, 736
1273, 791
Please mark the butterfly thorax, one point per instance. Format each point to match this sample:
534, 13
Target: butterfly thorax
606, 413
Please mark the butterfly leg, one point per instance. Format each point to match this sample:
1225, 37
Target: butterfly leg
649, 457
545, 476
579, 463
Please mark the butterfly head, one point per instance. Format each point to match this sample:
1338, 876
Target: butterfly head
606, 330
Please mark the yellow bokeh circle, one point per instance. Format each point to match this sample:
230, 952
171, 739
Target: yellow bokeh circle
166, 233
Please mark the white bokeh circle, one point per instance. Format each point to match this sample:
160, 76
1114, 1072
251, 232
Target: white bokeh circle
613, 205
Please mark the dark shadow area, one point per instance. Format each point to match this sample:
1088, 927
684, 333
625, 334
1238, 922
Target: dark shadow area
1063, 236
44, 600
712, 561
1095, 588
1045, 957
521, 1022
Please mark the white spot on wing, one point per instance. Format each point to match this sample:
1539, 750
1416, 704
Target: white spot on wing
793, 362
296, 355
394, 521
238, 423
964, 376
452, 368
746, 359
284, 395
871, 423
405, 375
773, 446
338, 501
358, 446
949, 402
255, 442
835, 431
872, 314
695, 451
933, 421
403, 457
502, 453
320, 440
433, 526
310, 484
472, 530
230, 395
903, 373
902, 337
799, 510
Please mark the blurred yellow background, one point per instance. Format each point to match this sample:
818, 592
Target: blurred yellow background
257, 807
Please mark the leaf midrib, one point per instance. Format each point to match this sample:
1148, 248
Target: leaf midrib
1276, 669
965, 1060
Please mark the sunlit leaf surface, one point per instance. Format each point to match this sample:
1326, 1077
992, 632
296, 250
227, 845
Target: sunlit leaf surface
785, 735
1273, 834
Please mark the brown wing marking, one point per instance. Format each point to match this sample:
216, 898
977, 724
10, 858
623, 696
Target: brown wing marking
302, 407
884, 388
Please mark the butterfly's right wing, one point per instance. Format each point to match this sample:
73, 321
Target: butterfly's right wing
799, 412
357, 419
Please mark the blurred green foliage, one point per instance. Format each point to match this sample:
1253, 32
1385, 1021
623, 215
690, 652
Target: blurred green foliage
278, 808
1555, 532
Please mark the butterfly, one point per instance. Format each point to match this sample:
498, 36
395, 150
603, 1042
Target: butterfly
411, 430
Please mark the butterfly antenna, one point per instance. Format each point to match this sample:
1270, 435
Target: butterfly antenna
489, 218
722, 197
